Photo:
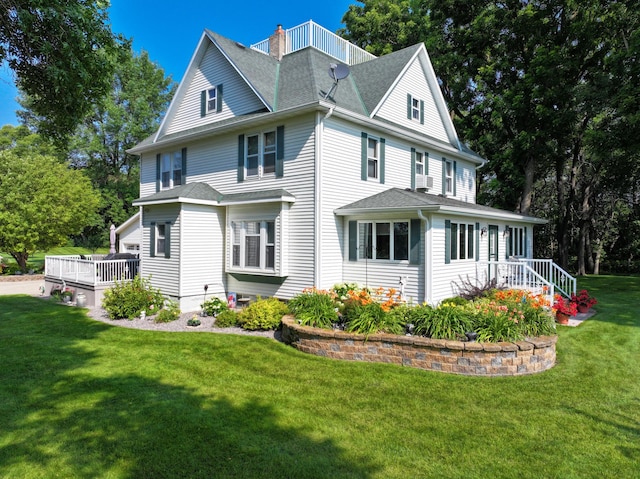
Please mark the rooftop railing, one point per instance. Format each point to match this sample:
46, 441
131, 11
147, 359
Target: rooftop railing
310, 34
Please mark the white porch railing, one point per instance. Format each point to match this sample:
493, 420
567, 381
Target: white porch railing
310, 34
90, 271
538, 276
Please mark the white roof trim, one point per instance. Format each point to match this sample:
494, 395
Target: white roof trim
168, 201
134, 219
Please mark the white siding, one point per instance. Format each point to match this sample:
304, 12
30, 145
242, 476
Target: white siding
394, 108
214, 69
162, 271
202, 255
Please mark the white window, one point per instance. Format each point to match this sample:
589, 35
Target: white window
261, 154
462, 245
160, 238
171, 169
419, 164
212, 100
253, 245
415, 109
373, 154
448, 177
383, 240
517, 241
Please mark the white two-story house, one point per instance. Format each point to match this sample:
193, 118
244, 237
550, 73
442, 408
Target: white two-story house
304, 161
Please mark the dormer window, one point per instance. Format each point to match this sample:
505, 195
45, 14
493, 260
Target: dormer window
211, 100
415, 109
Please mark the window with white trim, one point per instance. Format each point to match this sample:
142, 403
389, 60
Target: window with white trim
383, 240
373, 155
260, 156
212, 100
171, 174
517, 242
415, 109
160, 238
462, 244
253, 245
419, 164
448, 177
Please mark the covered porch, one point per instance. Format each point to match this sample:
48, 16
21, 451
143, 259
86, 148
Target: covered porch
91, 274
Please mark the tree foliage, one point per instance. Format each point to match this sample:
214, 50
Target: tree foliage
42, 201
61, 53
546, 90
131, 111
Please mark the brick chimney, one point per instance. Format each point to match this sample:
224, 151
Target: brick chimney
277, 43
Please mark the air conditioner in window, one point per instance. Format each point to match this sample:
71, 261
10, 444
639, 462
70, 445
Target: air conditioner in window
424, 182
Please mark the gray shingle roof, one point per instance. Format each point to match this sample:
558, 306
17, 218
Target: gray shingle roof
375, 77
190, 191
203, 192
399, 199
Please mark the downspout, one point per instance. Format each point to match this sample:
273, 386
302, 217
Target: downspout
427, 256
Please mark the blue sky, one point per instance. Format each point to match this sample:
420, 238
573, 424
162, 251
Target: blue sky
170, 30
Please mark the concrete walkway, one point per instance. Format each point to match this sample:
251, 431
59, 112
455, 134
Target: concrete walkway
31, 287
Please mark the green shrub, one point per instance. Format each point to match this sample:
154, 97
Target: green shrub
126, 299
226, 319
457, 300
370, 318
314, 308
447, 321
214, 306
262, 314
170, 312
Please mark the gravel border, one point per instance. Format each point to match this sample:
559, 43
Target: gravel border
179, 325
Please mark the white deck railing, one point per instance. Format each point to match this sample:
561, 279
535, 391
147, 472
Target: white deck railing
561, 280
310, 34
91, 271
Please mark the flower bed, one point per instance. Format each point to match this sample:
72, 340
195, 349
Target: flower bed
471, 358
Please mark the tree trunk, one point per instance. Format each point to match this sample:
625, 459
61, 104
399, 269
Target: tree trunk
527, 190
21, 258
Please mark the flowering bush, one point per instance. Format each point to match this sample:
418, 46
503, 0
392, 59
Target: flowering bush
583, 299
564, 306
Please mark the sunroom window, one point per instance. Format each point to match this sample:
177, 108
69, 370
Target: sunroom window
383, 240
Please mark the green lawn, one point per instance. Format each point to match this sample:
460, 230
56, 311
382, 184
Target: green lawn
79, 398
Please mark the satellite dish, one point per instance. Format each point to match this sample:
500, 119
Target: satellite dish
338, 71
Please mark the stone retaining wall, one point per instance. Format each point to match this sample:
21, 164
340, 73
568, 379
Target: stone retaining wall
469, 358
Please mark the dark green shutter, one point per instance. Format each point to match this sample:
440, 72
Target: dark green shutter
203, 103
414, 245
526, 244
413, 168
409, 106
158, 179
426, 163
508, 243
447, 241
455, 175
184, 166
477, 235
279, 151
444, 176
381, 154
167, 240
240, 158
454, 241
421, 112
363, 157
152, 235
353, 241
219, 98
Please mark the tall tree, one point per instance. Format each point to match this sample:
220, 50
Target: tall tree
61, 53
525, 83
42, 200
131, 111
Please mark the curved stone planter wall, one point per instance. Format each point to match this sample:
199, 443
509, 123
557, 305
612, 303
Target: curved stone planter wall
470, 358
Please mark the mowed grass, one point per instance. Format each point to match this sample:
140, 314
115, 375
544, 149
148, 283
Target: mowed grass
79, 398
36, 260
